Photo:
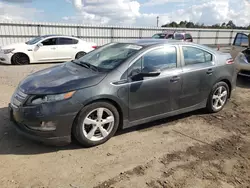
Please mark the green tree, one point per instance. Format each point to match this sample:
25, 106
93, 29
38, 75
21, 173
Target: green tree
190, 25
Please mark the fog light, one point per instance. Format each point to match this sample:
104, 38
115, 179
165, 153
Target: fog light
45, 126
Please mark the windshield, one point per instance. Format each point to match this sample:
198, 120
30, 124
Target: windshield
178, 37
110, 56
34, 40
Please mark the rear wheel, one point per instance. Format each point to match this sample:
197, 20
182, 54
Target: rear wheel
20, 59
96, 124
218, 97
80, 54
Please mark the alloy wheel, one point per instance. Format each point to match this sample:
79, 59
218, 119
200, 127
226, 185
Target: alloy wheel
98, 124
219, 97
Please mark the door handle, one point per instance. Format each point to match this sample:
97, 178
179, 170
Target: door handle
175, 79
210, 71
53, 48
74, 47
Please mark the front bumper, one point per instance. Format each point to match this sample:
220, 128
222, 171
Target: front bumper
26, 118
5, 58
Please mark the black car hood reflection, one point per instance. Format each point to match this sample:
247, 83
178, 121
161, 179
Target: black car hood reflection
60, 79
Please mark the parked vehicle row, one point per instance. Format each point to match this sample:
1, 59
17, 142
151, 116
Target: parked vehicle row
47, 48
183, 36
119, 85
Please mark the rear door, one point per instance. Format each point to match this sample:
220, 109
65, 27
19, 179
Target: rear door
67, 48
198, 75
240, 43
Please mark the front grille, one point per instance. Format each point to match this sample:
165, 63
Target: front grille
18, 98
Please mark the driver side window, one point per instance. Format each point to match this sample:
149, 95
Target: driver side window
161, 58
49, 42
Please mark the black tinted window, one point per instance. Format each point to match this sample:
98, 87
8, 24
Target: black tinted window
178, 36
51, 41
188, 36
170, 36
195, 55
241, 39
159, 36
67, 41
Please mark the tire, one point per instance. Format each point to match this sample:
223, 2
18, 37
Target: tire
20, 59
80, 54
215, 95
88, 114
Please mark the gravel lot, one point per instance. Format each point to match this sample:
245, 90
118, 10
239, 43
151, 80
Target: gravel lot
192, 150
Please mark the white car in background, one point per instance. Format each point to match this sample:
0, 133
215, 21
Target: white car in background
47, 48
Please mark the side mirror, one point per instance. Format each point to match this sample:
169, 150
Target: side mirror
39, 44
150, 71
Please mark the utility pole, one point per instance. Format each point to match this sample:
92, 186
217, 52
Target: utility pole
157, 20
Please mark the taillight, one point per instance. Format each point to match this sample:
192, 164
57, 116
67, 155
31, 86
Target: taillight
94, 47
230, 61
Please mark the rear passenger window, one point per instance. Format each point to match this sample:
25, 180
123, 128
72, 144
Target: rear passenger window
194, 55
67, 41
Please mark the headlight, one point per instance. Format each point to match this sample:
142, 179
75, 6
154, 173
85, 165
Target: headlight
7, 51
51, 98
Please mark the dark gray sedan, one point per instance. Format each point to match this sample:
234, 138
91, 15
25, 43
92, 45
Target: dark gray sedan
120, 85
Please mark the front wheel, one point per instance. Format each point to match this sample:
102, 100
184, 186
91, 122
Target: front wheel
20, 59
218, 97
96, 124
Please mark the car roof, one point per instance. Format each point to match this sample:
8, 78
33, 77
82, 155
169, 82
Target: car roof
53, 35
155, 42
172, 32
150, 42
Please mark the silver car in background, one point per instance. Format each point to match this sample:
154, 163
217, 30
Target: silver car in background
240, 52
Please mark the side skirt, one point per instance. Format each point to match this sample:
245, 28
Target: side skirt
127, 123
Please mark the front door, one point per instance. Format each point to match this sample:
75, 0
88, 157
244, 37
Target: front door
151, 96
47, 52
198, 76
240, 43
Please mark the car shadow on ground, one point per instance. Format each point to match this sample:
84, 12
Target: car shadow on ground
13, 143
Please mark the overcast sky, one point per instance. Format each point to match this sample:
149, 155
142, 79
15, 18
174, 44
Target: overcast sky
126, 12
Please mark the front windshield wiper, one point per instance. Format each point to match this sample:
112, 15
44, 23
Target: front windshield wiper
85, 64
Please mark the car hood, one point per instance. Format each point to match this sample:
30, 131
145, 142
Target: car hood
15, 45
59, 79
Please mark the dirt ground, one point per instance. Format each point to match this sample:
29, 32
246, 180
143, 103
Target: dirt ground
194, 150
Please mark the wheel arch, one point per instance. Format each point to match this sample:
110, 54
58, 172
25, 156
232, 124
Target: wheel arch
22, 54
108, 99
81, 51
228, 82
